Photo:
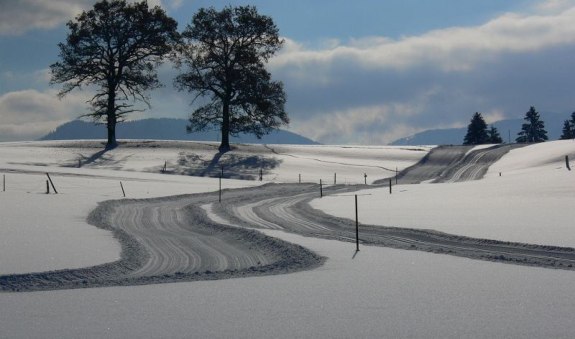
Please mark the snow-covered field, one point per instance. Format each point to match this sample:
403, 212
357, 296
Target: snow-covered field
379, 292
531, 202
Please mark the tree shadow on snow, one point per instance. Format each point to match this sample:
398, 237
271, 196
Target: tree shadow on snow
100, 158
235, 166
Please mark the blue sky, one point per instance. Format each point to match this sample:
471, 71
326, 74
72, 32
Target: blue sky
361, 72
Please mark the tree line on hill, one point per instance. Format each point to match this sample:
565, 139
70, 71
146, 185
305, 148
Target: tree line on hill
532, 130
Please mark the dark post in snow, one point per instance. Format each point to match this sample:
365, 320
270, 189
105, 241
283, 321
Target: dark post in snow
51, 183
396, 172
47, 187
335, 178
320, 189
221, 176
356, 227
365, 178
389, 186
4, 183
165, 166
122, 187
261, 174
567, 162
299, 175
79, 163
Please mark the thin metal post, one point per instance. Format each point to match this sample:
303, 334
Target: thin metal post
356, 226
365, 178
299, 178
4, 183
335, 178
396, 172
320, 189
220, 196
123, 192
389, 186
47, 187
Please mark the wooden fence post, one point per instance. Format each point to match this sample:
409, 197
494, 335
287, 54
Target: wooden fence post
356, 227
567, 162
51, 183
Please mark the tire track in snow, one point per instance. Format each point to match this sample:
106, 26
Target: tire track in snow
172, 239
293, 214
169, 240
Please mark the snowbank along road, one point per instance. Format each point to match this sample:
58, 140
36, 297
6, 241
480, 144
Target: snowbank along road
175, 239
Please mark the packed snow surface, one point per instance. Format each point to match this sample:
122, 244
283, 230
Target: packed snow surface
530, 202
378, 292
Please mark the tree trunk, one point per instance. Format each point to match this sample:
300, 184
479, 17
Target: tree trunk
225, 144
111, 120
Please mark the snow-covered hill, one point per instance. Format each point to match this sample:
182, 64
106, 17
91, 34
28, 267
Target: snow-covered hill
378, 292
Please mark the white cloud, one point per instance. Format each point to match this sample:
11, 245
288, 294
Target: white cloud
20, 16
551, 6
362, 125
29, 114
451, 49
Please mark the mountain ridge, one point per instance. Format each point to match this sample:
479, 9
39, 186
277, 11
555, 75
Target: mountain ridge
165, 129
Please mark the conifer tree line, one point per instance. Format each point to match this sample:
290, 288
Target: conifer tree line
116, 47
532, 130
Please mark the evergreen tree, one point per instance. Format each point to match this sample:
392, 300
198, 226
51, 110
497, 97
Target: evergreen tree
476, 131
493, 136
534, 128
569, 128
567, 131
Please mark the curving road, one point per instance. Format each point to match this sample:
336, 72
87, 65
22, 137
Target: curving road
474, 164
293, 214
174, 239
452, 164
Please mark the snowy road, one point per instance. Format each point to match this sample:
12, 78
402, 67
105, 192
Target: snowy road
174, 239
292, 213
171, 239
453, 164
